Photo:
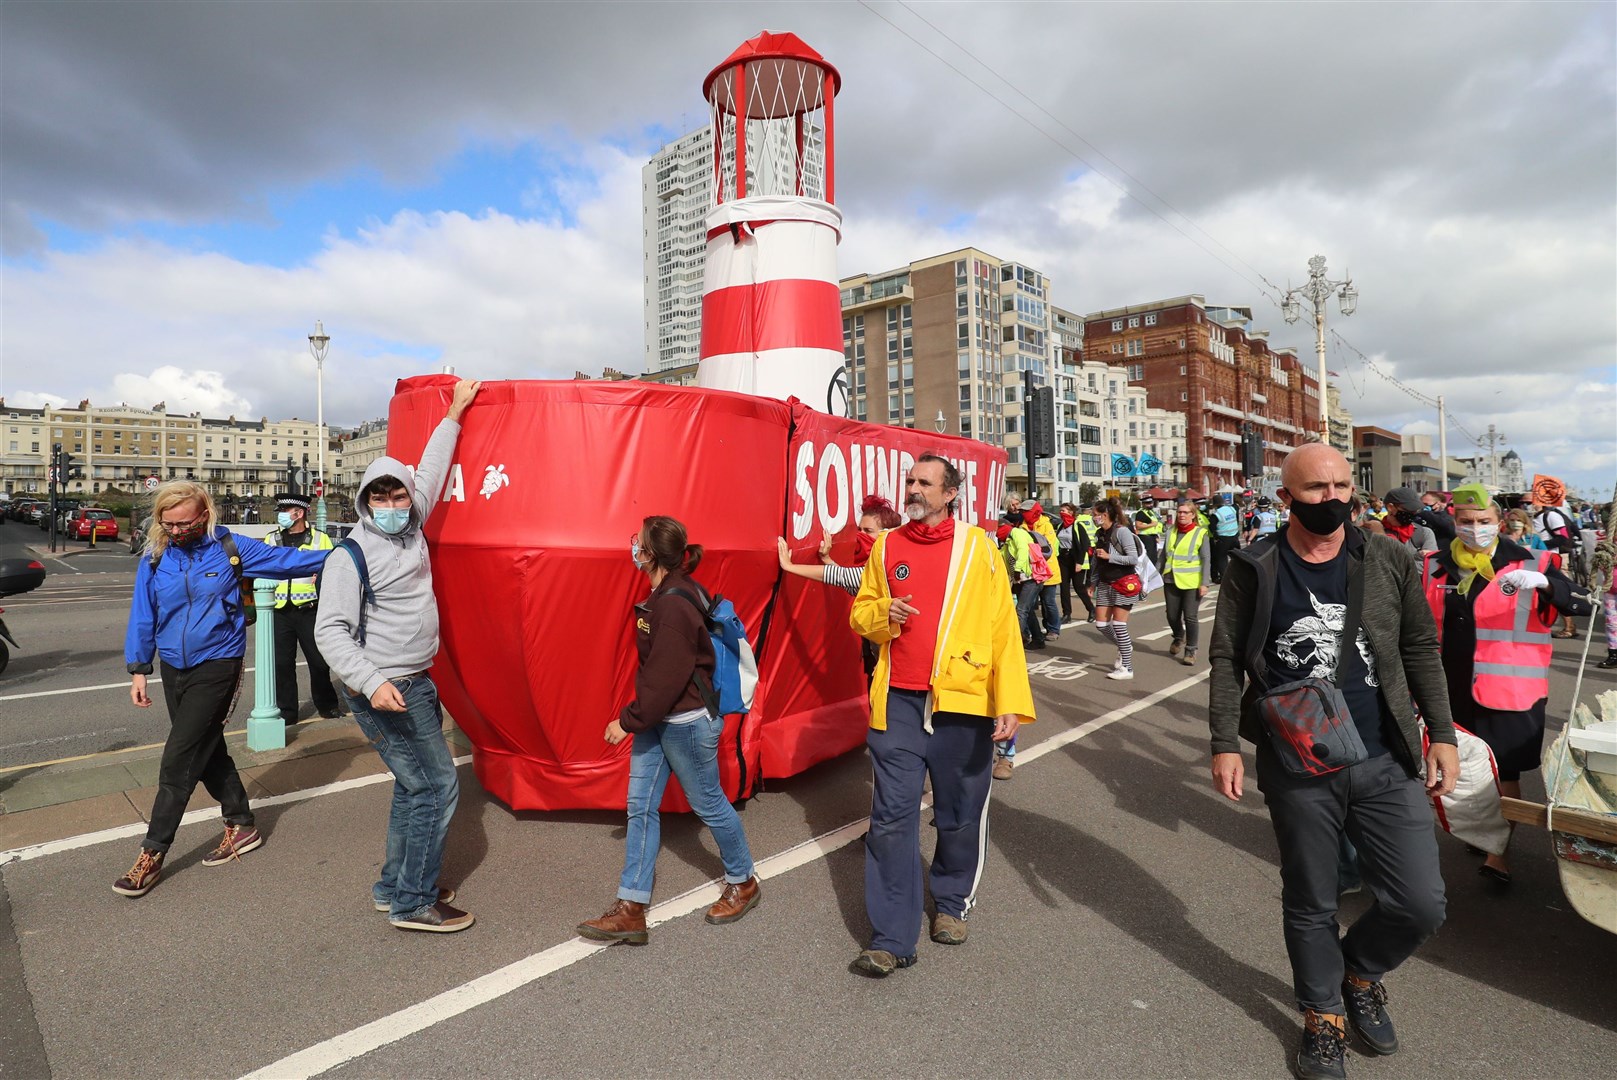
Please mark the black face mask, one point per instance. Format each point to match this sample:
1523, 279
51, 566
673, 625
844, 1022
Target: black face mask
1321, 518
1405, 517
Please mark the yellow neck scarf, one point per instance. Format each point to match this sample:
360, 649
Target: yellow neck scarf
1471, 563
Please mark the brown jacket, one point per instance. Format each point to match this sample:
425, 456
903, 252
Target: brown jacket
673, 645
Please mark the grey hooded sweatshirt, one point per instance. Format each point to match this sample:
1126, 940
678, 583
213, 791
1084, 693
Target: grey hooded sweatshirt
401, 630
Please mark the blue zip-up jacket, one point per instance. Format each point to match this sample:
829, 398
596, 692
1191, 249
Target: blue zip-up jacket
189, 610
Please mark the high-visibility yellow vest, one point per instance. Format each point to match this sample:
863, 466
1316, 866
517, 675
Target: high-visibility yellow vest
298, 591
1086, 522
1185, 557
1154, 528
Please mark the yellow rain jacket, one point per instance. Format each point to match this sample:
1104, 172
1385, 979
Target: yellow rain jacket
979, 668
1046, 528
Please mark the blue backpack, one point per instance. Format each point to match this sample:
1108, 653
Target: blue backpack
735, 669
367, 598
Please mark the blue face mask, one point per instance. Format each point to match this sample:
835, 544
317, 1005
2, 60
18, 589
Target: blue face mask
634, 552
284, 519
390, 520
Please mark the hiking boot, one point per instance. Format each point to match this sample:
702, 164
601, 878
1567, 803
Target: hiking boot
948, 930
440, 918
445, 896
879, 963
238, 841
1122, 674
625, 920
1002, 767
1367, 1012
1176, 647
1324, 1044
1610, 661
1189, 659
142, 876
735, 901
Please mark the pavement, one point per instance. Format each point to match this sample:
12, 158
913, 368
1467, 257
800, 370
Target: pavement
1129, 926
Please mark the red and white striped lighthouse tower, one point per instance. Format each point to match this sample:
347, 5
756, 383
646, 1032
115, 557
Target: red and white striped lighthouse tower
771, 306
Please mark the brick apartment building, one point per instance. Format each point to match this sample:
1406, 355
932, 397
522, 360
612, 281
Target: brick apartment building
1212, 365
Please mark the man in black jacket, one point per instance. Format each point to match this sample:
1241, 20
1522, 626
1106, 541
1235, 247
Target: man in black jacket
1282, 615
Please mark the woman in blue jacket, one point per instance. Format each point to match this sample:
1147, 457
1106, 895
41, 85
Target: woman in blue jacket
187, 615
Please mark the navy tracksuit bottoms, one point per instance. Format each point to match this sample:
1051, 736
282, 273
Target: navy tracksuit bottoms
959, 755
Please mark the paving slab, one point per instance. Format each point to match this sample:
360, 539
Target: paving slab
47, 823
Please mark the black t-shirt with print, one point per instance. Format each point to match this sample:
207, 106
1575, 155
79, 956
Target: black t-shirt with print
1305, 631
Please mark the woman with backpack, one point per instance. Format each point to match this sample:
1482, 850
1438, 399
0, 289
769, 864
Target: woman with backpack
1118, 590
675, 732
188, 616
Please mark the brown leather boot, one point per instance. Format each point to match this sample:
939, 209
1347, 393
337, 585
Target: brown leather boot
735, 901
625, 920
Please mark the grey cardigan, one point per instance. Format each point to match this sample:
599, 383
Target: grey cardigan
1397, 620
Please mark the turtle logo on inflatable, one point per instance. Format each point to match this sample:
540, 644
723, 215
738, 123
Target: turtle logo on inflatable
493, 480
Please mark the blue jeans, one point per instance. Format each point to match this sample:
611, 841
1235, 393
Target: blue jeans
425, 792
1027, 612
691, 752
1050, 599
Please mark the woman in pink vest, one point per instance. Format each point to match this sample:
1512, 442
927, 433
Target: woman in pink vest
1495, 603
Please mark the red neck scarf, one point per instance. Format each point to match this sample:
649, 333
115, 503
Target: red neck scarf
862, 543
930, 534
1185, 528
1067, 519
1400, 533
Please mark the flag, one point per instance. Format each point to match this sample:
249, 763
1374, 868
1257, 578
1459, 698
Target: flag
1122, 465
1149, 465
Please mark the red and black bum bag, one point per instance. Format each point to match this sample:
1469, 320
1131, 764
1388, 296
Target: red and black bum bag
1309, 722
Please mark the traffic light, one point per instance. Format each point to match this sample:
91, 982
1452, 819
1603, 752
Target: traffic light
291, 475
69, 466
1041, 423
1251, 451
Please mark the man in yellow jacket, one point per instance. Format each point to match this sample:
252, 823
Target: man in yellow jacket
1049, 600
951, 681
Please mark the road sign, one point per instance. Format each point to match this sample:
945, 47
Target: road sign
151, 483
319, 488
303, 478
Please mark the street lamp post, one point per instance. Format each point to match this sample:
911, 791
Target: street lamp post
1316, 292
940, 422
318, 343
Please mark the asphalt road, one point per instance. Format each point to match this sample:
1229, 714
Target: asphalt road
1129, 926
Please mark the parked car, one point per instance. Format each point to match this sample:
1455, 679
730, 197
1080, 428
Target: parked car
39, 514
139, 528
64, 507
91, 521
21, 508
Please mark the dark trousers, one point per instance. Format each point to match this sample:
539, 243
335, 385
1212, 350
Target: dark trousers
1183, 605
1068, 561
1076, 581
1388, 818
958, 755
1222, 546
294, 628
199, 700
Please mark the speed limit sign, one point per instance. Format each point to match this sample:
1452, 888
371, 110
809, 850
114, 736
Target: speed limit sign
151, 483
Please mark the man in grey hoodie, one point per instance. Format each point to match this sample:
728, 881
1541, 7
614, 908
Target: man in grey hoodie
380, 646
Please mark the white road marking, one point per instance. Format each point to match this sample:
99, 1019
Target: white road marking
151, 680
61, 738
120, 832
1164, 633
384, 1031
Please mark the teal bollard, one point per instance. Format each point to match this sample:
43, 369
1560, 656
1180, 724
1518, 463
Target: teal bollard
265, 728
320, 513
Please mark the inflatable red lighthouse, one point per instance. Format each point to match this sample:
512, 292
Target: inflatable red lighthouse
771, 308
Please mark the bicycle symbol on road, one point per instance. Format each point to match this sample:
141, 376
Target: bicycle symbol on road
1059, 670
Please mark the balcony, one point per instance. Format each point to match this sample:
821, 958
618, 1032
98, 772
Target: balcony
1223, 410
1224, 436
1259, 398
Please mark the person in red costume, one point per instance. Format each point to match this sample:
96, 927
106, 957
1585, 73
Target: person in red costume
876, 516
951, 681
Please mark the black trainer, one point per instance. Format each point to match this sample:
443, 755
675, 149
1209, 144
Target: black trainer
1322, 1054
1367, 1013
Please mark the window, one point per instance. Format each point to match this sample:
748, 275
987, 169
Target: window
1182, 369
1089, 433
1137, 372
1184, 395
1136, 347
1117, 324
1134, 322
1117, 347
1091, 464
1151, 319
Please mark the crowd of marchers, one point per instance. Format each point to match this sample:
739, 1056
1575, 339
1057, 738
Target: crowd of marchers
1351, 635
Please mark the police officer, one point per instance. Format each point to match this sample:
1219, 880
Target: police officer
295, 615
1148, 526
1263, 521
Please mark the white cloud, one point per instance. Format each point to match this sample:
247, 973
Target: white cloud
182, 391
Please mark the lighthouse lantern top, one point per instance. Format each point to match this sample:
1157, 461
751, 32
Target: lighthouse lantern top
771, 104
